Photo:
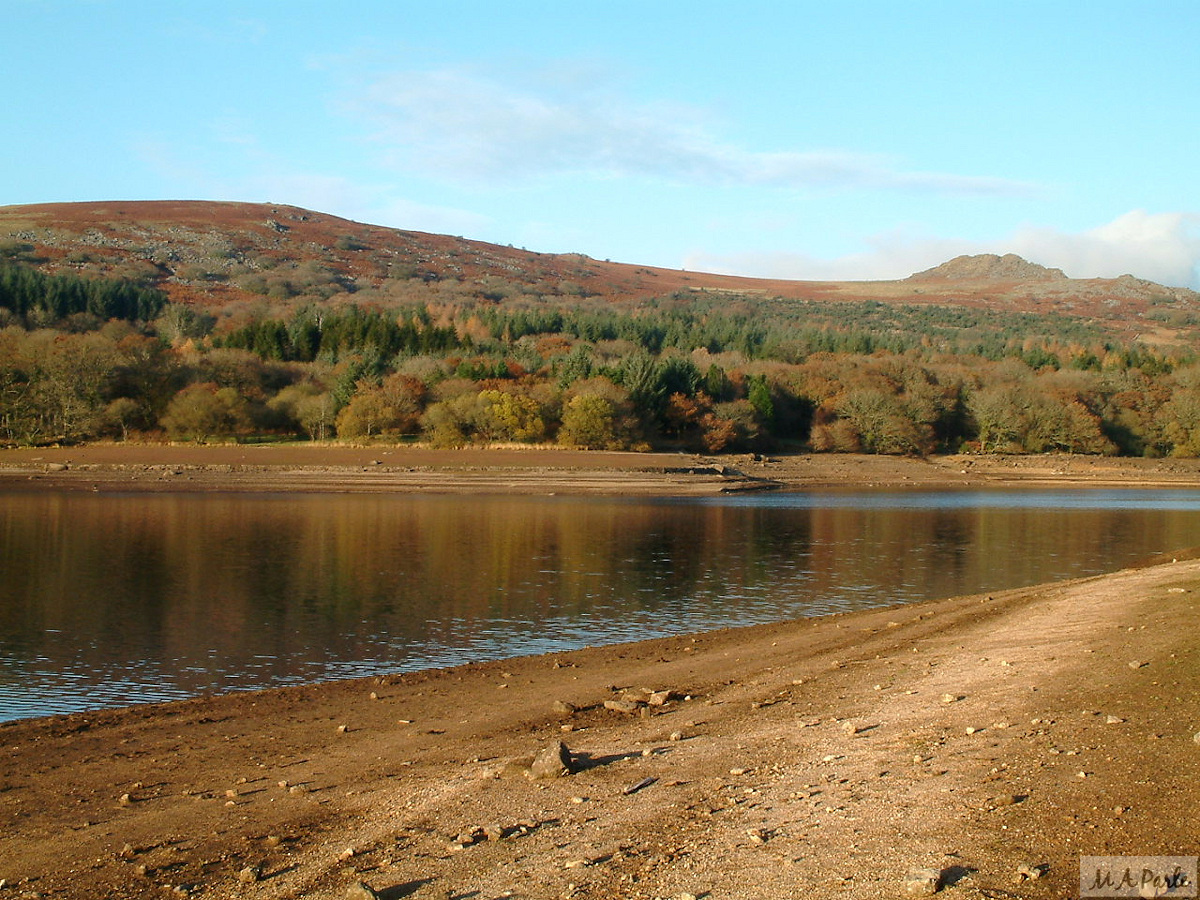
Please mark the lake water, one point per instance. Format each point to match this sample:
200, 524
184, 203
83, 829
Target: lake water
113, 599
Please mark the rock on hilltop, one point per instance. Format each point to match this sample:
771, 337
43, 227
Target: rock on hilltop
990, 267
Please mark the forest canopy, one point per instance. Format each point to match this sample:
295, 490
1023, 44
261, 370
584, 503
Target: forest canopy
454, 364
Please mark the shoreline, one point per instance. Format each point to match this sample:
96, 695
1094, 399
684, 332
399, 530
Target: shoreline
992, 739
339, 468
980, 736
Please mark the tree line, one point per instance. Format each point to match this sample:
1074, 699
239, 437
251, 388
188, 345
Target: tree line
82, 360
31, 298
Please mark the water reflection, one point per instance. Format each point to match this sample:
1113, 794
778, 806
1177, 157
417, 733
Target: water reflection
114, 599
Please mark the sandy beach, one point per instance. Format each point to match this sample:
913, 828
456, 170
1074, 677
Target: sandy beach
991, 740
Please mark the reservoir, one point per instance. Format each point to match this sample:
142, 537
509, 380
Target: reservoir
113, 599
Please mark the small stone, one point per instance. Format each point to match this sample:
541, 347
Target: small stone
232, 792
661, 698
1031, 871
678, 736
1137, 664
374, 696
623, 705
127, 851
562, 707
361, 891
553, 762
346, 854
738, 771
1196, 738
250, 874
342, 729
273, 840
494, 832
125, 800
850, 728
971, 730
923, 881
950, 698
634, 788
1114, 720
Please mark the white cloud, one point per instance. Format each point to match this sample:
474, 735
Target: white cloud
464, 127
1162, 247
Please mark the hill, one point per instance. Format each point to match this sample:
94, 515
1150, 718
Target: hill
201, 321
214, 254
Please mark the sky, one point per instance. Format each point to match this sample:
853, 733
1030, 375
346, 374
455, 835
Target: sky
808, 140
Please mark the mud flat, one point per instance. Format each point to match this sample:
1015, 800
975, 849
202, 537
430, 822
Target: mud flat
307, 467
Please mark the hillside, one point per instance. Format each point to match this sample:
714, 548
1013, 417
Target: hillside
214, 254
219, 321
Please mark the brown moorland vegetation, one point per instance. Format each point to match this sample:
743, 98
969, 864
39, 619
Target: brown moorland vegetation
201, 321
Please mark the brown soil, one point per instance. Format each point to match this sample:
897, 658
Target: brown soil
817, 758
308, 467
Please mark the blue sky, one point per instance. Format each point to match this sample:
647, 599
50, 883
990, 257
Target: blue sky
784, 139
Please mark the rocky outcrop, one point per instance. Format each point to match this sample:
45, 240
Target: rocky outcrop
989, 267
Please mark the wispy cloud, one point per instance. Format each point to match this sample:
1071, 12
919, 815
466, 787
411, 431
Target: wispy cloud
465, 127
1162, 247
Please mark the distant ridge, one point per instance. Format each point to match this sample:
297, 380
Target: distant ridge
989, 267
235, 257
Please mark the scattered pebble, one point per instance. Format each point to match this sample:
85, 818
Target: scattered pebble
622, 706
1137, 664
250, 874
361, 891
634, 788
923, 881
552, 762
1031, 871
1114, 720
950, 698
